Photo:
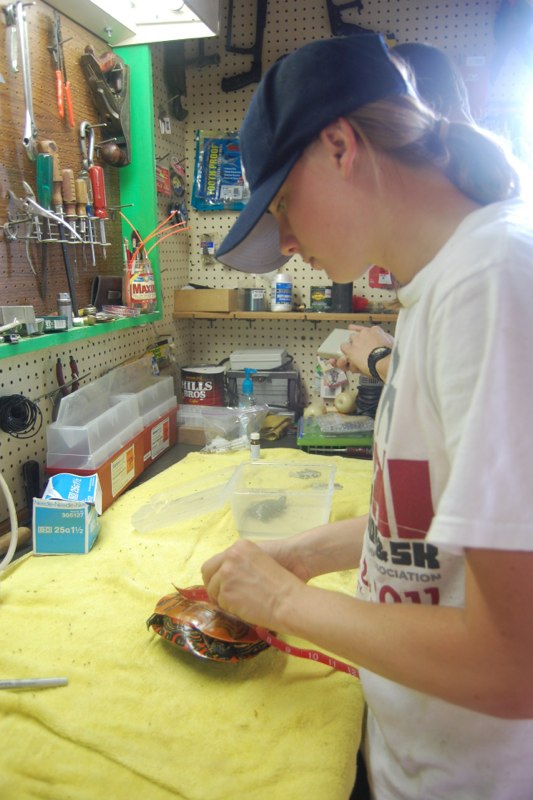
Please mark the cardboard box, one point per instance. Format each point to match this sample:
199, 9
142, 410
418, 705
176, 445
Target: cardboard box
115, 474
159, 436
207, 300
66, 520
188, 434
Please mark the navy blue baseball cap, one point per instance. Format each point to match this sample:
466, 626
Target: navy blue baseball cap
298, 96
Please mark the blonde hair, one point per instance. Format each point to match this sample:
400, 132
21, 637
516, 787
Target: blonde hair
474, 160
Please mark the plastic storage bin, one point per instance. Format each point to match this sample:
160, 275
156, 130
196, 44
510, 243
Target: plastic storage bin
93, 425
273, 500
154, 393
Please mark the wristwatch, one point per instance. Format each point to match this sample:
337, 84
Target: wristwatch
373, 357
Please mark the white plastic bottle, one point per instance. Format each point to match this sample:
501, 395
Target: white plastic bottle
281, 293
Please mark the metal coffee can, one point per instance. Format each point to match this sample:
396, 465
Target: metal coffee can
254, 299
320, 298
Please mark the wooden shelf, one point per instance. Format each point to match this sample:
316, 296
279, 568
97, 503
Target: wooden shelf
313, 316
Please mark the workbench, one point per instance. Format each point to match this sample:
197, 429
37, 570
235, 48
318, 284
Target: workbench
141, 718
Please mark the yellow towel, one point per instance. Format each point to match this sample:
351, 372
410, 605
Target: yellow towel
141, 719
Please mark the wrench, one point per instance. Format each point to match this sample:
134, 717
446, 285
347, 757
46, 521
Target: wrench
11, 23
29, 138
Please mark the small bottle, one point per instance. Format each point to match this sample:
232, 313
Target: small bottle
281, 293
64, 307
247, 397
255, 447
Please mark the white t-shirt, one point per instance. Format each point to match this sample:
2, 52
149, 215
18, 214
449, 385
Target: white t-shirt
453, 469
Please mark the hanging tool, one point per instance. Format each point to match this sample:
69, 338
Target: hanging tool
49, 146
337, 24
65, 388
80, 188
109, 84
16, 19
174, 76
87, 152
11, 23
69, 206
28, 206
45, 172
64, 99
74, 383
96, 174
254, 73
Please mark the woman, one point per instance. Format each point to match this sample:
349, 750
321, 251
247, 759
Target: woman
440, 85
347, 167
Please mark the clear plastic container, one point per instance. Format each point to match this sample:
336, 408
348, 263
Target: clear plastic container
194, 498
108, 424
273, 500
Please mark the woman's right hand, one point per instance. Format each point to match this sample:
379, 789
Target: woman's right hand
359, 345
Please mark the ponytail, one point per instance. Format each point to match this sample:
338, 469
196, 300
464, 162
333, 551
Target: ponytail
473, 159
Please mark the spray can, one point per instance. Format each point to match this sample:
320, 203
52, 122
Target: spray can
281, 293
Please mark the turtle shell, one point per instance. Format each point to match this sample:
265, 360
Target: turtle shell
190, 621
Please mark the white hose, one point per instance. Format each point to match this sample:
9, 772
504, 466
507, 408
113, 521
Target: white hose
13, 522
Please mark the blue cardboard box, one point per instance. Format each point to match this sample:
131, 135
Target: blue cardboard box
66, 519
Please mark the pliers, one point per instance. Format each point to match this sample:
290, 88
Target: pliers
31, 208
74, 384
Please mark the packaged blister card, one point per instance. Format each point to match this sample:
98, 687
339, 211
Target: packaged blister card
219, 183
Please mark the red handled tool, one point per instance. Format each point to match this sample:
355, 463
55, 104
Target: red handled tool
96, 175
64, 98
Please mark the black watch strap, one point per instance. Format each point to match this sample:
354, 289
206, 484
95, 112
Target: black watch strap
374, 356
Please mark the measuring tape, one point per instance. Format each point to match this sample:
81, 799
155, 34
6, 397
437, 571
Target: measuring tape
302, 652
199, 593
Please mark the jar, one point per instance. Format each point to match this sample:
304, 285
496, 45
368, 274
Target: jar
64, 307
255, 446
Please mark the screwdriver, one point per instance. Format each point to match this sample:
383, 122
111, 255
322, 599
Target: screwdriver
81, 212
49, 146
96, 175
69, 202
45, 170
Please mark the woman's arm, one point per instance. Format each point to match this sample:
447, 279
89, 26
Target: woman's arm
327, 548
478, 657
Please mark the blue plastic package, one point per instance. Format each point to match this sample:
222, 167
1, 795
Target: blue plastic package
219, 183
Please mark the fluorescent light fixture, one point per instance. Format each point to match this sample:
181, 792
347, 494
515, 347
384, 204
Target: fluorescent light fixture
126, 22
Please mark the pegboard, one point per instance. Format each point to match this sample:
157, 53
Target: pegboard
33, 375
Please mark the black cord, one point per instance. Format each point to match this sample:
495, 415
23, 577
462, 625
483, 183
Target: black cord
20, 417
